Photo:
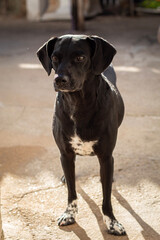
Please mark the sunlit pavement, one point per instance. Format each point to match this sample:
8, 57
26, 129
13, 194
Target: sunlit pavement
32, 195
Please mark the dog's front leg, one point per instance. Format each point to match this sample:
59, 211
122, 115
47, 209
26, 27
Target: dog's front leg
68, 164
106, 172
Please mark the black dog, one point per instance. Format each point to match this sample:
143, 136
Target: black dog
89, 110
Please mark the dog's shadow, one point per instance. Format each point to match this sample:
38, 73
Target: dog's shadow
79, 231
148, 232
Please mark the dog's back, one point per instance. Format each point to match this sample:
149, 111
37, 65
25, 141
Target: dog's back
110, 74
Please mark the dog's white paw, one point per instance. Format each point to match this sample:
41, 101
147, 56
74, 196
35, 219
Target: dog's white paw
68, 217
114, 227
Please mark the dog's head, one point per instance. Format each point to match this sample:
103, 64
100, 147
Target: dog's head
74, 57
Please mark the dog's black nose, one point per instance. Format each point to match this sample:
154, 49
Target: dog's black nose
61, 79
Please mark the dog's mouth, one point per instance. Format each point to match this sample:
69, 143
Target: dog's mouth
63, 88
57, 89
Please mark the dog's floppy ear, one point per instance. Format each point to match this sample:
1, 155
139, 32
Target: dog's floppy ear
102, 54
44, 54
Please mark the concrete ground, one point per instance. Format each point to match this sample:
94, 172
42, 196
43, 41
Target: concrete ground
32, 195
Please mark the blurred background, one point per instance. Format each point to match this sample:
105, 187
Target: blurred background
77, 10
32, 197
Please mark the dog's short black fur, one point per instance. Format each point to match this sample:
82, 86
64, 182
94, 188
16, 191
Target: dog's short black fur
89, 109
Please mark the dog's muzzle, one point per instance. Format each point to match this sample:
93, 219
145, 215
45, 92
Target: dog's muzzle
62, 83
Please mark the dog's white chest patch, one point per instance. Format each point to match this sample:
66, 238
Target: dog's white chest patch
82, 147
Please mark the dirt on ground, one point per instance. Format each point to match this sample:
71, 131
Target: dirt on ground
32, 196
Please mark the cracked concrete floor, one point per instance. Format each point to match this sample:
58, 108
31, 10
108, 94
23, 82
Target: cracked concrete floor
32, 197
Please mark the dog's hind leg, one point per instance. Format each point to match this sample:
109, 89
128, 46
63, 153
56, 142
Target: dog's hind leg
106, 172
68, 164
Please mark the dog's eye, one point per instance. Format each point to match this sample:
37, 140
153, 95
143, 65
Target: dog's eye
79, 59
55, 59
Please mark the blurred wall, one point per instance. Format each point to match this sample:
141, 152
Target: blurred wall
13, 7
36, 8
48, 9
